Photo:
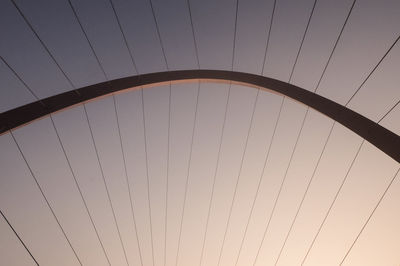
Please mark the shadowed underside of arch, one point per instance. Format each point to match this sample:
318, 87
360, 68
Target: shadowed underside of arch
377, 135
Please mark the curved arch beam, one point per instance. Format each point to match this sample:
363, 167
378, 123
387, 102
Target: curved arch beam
374, 133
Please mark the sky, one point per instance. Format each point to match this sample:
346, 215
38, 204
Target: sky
199, 173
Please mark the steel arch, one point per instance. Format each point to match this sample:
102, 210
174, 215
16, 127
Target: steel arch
382, 138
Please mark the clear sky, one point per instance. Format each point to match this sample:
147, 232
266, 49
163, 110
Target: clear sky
199, 173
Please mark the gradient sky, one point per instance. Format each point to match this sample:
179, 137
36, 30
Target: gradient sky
199, 173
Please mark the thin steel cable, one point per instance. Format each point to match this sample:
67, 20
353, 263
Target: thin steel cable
220, 142
87, 39
19, 238
362, 84
270, 143
73, 86
118, 126
66, 157
187, 174
124, 36
241, 165
105, 182
302, 41
365, 80
192, 136
305, 193
21, 80
390, 110
238, 177
373, 70
391, 181
214, 178
127, 180
336, 42
271, 21
193, 35
44, 46
333, 202
259, 184
168, 134
79, 190
45, 198
119, 132
162, 47
300, 131
158, 34
280, 188
234, 34
306, 114
34, 95
167, 181
369, 217
147, 174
